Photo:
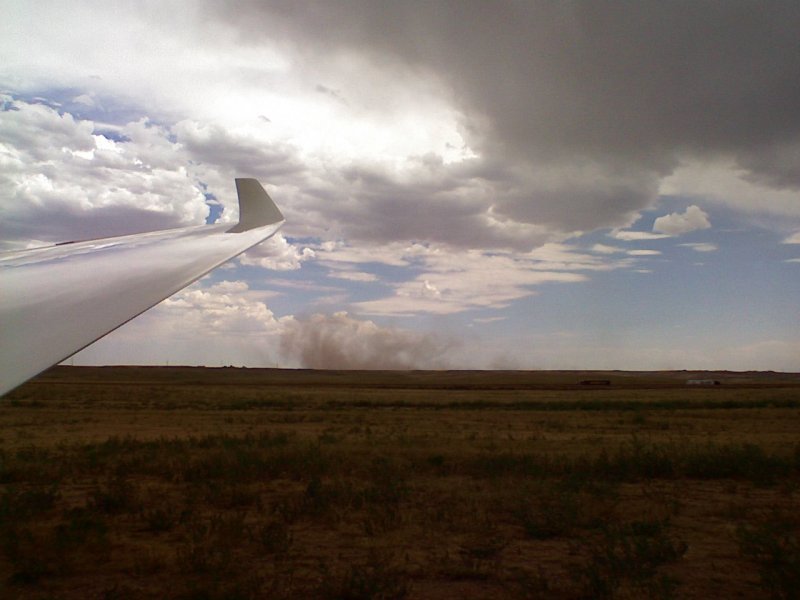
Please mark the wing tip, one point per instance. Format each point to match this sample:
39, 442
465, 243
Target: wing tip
256, 208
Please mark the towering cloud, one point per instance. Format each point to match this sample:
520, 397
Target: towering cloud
677, 223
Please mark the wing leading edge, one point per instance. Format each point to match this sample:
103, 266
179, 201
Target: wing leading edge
55, 301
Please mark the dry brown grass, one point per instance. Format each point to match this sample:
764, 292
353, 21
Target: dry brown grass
240, 483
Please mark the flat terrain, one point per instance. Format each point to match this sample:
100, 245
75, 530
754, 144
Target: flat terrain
135, 482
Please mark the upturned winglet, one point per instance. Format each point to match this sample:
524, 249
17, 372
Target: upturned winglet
256, 208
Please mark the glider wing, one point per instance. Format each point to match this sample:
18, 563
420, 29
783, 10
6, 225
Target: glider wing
56, 300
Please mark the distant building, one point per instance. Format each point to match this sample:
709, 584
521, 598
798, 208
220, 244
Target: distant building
703, 382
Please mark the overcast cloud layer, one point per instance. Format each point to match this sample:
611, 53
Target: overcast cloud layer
434, 160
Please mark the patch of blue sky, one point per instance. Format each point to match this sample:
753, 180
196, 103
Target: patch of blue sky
215, 208
292, 289
7, 104
83, 104
111, 134
384, 273
745, 291
731, 300
732, 237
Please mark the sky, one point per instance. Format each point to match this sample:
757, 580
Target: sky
466, 184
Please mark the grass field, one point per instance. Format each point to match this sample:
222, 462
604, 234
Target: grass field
134, 482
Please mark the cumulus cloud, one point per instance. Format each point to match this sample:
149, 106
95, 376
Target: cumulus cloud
277, 254
340, 341
793, 239
224, 323
224, 308
62, 181
66, 178
692, 219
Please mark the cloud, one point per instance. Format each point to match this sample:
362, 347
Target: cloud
588, 105
224, 323
506, 127
340, 341
225, 308
62, 181
251, 152
448, 282
635, 236
488, 319
606, 249
351, 275
65, 178
81, 184
725, 182
276, 254
336, 253
701, 247
692, 219
441, 279
793, 239
414, 200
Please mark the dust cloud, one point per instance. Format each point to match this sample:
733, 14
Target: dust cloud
339, 341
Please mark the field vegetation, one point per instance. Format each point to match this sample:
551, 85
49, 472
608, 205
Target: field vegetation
241, 483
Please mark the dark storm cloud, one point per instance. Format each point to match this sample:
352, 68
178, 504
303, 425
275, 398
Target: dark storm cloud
621, 90
441, 203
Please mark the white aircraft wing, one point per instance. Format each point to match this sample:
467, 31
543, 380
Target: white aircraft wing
56, 300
